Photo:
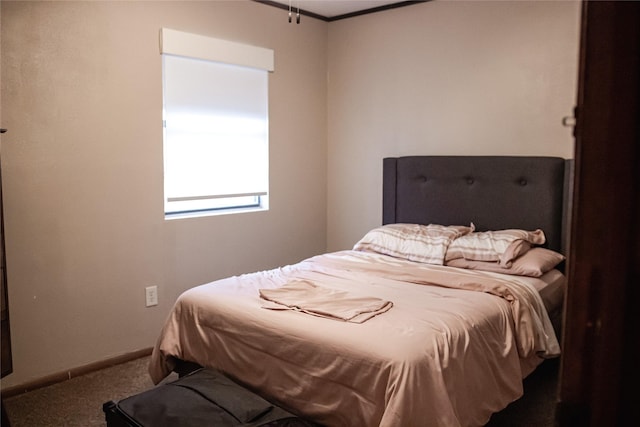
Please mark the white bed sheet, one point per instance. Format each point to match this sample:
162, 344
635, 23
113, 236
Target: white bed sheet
441, 356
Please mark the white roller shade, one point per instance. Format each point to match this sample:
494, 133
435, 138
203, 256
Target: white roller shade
189, 45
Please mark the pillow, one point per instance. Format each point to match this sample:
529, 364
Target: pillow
533, 263
494, 245
414, 242
514, 250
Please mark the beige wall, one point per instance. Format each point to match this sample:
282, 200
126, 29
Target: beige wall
82, 169
443, 78
82, 162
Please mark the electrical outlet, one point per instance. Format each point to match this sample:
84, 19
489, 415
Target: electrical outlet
151, 293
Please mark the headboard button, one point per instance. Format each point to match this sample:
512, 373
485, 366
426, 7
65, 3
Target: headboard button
470, 181
523, 182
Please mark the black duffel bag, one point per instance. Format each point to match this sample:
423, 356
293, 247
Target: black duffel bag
202, 398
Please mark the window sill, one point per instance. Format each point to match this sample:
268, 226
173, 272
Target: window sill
213, 212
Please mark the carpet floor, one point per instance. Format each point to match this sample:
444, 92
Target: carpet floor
78, 401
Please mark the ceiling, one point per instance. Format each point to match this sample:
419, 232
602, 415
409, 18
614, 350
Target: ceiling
332, 10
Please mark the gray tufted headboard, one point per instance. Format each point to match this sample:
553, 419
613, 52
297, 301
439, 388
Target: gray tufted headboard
493, 192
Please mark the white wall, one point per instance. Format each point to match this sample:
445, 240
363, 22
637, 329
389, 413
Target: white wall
443, 78
82, 172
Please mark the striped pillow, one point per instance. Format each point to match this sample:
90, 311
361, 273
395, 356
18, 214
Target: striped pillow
414, 242
502, 246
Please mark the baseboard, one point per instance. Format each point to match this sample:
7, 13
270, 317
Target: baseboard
73, 373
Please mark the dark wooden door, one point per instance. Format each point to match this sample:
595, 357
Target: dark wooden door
599, 369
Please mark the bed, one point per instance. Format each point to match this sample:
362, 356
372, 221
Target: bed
400, 330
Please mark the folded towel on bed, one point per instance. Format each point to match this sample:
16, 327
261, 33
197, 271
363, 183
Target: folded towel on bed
304, 296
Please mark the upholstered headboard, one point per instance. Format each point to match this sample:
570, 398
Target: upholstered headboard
493, 192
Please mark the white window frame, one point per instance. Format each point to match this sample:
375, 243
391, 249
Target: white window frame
224, 52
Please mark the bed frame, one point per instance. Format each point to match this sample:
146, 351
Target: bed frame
493, 192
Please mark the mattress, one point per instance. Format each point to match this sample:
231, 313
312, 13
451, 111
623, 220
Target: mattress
451, 350
551, 286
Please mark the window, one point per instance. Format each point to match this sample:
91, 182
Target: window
216, 124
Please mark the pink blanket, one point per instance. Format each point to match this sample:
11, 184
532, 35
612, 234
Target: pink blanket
453, 349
